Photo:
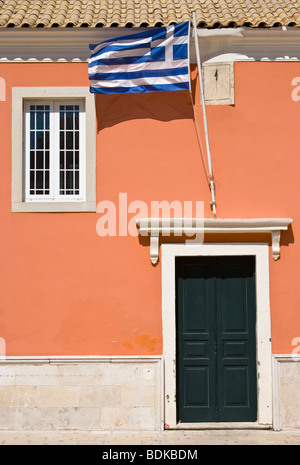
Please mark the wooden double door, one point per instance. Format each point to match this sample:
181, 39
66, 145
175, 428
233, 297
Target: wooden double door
216, 339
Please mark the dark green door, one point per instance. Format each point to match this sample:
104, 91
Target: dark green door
216, 339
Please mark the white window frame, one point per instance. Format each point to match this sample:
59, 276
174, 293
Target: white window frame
54, 130
21, 201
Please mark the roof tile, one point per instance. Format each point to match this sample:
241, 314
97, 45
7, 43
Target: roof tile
136, 13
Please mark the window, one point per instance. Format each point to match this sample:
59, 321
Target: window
53, 149
55, 158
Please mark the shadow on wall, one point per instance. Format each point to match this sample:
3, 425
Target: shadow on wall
287, 237
162, 106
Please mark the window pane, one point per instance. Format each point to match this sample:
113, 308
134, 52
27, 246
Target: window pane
62, 119
47, 139
39, 142
77, 160
69, 149
61, 140
47, 122
47, 160
77, 181
76, 119
39, 179
32, 139
39, 160
40, 120
77, 140
32, 181
32, 159
62, 159
69, 160
32, 117
69, 120
61, 181
69, 140
69, 180
47, 181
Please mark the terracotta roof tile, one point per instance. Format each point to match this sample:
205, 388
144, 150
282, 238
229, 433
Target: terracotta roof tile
148, 13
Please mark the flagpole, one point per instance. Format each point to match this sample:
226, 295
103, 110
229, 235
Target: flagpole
199, 138
211, 175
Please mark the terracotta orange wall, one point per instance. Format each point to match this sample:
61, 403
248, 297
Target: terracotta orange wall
67, 291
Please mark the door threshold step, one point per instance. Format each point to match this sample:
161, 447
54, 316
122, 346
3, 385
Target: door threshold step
220, 426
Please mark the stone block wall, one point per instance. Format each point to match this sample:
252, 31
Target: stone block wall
289, 393
81, 394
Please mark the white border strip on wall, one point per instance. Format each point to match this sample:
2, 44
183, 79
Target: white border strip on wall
72, 44
80, 359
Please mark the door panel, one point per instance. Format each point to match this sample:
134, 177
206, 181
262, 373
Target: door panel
196, 363
216, 342
196, 376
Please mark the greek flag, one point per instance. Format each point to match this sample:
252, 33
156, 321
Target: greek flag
150, 61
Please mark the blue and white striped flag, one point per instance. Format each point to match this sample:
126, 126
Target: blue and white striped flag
150, 61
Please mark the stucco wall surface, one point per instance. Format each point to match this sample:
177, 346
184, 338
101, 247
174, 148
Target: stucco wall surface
65, 290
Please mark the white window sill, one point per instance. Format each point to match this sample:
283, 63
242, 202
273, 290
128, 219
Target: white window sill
48, 207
